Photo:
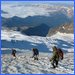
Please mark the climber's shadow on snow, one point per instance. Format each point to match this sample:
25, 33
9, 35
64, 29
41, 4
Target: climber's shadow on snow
63, 44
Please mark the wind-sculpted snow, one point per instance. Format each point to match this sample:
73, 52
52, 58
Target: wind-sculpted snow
23, 64
15, 39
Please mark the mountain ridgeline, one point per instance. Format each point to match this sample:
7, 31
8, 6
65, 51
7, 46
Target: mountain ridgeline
53, 19
38, 25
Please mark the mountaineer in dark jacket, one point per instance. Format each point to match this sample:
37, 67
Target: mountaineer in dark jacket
57, 54
35, 53
13, 52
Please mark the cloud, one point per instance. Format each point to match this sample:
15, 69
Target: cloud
25, 9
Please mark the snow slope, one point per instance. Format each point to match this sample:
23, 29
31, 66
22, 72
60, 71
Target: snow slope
61, 40
24, 64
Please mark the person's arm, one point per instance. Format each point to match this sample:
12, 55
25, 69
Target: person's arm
52, 58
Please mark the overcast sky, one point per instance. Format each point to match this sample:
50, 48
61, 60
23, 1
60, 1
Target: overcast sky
27, 8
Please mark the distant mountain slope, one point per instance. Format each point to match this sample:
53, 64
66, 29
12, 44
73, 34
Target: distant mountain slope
54, 19
41, 30
32, 25
45, 30
66, 28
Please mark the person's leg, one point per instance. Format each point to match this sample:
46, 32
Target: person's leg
14, 55
35, 57
53, 62
56, 63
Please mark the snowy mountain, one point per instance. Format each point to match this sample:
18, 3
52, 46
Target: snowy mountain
29, 14
28, 25
26, 17
24, 64
66, 28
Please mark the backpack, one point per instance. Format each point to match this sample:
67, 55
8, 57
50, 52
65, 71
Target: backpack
36, 52
60, 53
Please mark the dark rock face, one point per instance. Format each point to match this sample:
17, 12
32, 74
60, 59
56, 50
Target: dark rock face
41, 30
